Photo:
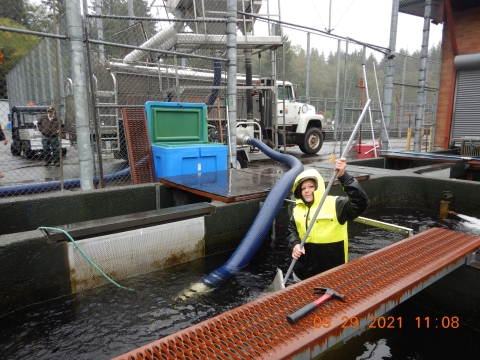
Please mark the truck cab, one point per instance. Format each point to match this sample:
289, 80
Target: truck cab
299, 122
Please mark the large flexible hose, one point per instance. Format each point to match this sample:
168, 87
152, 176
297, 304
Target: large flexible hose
46, 186
264, 219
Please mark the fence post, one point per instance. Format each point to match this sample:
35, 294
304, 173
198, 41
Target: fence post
80, 94
232, 79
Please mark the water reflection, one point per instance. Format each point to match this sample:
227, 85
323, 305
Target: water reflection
376, 351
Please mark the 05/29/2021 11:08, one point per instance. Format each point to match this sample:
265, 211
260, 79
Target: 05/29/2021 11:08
390, 322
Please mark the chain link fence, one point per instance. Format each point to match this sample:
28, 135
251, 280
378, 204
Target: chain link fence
183, 69
184, 61
329, 89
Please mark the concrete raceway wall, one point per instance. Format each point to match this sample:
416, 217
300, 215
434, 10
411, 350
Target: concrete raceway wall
36, 270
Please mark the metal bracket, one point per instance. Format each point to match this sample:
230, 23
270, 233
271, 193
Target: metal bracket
447, 194
473, 259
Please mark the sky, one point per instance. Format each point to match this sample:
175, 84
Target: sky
363, 20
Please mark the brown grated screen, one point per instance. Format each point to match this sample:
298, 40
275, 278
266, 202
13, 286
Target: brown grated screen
372, 284
139, 148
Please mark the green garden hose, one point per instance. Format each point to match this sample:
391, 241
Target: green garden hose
84, 255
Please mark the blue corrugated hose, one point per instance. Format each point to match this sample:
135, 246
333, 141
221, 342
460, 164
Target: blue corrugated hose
264, 219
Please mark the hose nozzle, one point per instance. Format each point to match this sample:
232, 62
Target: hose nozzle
452, 213
242, 136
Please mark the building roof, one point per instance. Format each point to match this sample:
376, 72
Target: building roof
417, 7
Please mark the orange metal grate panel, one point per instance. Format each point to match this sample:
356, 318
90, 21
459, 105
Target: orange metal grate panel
373, 285
139, 148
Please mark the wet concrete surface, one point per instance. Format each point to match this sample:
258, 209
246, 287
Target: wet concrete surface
19, 170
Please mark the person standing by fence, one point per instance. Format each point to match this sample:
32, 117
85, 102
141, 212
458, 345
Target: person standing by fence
49, 125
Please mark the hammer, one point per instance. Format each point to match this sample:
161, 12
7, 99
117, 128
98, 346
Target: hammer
327, 294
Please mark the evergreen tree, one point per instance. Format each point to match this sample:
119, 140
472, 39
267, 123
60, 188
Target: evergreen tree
15, 46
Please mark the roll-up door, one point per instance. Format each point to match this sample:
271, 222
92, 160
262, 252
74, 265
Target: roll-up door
466, 110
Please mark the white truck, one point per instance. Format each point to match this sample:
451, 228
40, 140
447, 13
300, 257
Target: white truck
303, 126
299, 123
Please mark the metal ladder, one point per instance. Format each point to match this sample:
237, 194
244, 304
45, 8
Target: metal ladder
107, 116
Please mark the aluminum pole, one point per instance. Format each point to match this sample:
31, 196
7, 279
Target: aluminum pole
80, 93
422, 77
307, 90
402, 100
232, 79
344, 94
337, 90
130, 12
388, 87
101, 48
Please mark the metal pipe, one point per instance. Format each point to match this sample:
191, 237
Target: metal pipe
57, 89
307, 85
388, 86
444, 209
248, 73
80, 93
453, 74
49, 68
329, 35
98, 11
402, 99
330, 17
337, 91
369, 110
130, 12
155, 50
232, 78
142, 18
98, 140
422, 78
37, 33
283, 78
381, 108
345, 71
153, 42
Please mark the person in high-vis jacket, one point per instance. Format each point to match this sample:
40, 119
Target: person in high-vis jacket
327, 243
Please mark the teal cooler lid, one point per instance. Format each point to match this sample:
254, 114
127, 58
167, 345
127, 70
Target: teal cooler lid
169, 145
173, 122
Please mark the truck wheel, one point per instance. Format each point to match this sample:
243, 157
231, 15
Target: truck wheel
313, 141
242, 163
15, 149
30, 154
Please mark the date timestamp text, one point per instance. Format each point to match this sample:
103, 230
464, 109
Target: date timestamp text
389, 322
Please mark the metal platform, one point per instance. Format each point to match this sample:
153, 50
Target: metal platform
353, 169
431, 157
372, 284
235, 185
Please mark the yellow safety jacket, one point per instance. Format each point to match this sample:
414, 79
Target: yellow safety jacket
327, 243
326, 228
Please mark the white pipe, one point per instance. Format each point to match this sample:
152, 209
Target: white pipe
369, 109
381, 108
154, 41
